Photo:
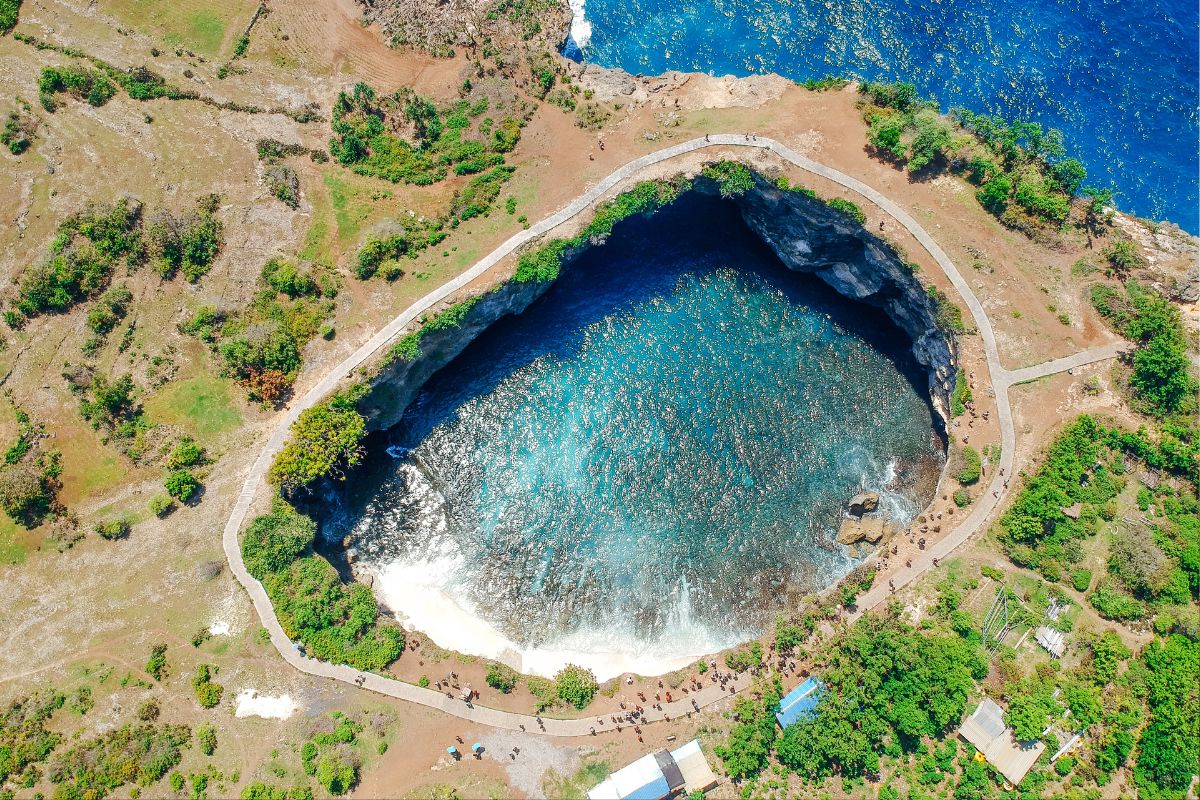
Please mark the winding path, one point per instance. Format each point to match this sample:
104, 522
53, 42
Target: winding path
1000, 378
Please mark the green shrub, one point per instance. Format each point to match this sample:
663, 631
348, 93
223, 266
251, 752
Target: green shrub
994, 195
326, 440
1112, 603
162, 505
992, 572
1081, 579
206, 737
962, 394
186, 454
273, 541
962, 498
501, 677
79, 82
9, 11
182, 485
141, 754
732, 177
884, 135
1123, 256
113, 529
931, 142
847, 207
335, 622
972, 465
156, 666
335, 774
29, 488
109, 310
208, 693
575, 685
746, 658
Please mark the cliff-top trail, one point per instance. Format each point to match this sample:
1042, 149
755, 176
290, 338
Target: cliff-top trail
241, 238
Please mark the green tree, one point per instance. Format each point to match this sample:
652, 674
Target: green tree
326, 440
273, 541
576, 685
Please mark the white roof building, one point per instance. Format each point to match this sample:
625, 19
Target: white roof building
659, 775
986, 730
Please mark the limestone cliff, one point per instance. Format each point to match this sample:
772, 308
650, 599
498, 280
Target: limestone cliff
807, 235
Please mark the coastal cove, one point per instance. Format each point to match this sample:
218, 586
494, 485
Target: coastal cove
602, 549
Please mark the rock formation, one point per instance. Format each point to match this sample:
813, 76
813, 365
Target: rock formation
805, 233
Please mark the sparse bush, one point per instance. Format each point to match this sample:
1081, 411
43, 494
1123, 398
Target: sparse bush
156, 666
161, 505
148, 711
283, 182
113, 529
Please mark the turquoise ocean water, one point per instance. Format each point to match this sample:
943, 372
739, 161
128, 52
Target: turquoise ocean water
651, 456
1119, 78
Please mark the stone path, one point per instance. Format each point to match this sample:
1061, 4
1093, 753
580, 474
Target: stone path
1001, 378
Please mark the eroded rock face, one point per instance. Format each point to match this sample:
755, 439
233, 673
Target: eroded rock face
809, 236
865, 529
398, 383
863, 503
806, 234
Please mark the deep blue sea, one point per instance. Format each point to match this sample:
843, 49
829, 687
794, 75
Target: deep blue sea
634, 470
1118, 77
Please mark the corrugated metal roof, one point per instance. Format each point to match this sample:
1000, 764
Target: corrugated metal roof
800, 703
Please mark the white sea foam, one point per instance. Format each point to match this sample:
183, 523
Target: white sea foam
252, 704
420, 593
581, 26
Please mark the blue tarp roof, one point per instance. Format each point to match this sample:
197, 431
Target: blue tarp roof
800, 703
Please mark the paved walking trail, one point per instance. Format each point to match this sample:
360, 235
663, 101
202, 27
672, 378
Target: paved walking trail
1000, 378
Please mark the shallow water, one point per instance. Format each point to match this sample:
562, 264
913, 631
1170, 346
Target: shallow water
638, 469
1119, 78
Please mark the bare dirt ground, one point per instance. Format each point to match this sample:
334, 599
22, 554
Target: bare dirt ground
105, 603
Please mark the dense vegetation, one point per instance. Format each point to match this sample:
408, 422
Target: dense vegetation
29, 482
1154, 563
92, 243
456, 139
1023, 172
1162, 383
261, 345
542, 264
142, 754
733, 178
326, 441
334, 622
886, 690
25, 740
9, 11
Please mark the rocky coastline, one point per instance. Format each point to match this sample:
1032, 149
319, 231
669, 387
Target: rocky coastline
806, 234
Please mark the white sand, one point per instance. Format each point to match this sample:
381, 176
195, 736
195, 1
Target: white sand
219, 628
252, 704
